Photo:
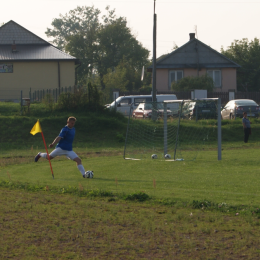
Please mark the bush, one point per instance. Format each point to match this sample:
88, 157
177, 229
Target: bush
189, 83
81, 100
141, 196
48, 102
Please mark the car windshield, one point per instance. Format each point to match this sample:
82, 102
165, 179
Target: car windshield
246, 103
148, 106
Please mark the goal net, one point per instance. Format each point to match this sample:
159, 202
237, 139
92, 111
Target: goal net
172, 130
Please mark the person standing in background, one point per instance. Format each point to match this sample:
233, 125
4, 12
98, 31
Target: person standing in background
246, 126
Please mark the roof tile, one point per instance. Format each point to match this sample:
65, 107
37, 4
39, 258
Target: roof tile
33, 52
28, 45
12, 31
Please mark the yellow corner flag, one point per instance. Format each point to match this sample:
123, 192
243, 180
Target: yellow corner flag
36, 128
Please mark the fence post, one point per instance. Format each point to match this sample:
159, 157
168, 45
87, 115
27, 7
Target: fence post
219, 129
21, 102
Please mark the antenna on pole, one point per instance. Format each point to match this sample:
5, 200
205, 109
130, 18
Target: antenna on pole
196, 31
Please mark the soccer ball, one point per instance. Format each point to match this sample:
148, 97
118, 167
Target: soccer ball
90, 174
154, 156
167, 156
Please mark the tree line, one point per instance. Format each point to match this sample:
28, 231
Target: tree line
110, 55
112, 58
247, 54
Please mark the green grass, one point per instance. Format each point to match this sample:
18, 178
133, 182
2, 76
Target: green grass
92, 130
38, 225
100, 143
233, 180
148, 209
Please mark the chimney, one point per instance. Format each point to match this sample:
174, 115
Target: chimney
14, 46
192, 36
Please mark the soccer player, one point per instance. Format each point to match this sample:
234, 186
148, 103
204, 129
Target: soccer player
64, 146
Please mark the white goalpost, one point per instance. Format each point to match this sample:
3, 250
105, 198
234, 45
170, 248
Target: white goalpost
176, 130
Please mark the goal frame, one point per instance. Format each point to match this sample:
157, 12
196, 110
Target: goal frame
219, 132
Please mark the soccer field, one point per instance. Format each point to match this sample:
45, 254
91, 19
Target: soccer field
233, 180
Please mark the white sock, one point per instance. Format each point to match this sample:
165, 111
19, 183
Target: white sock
43, 155
81, 169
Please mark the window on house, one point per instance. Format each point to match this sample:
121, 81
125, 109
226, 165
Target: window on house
216, 76
174, 76
6, 68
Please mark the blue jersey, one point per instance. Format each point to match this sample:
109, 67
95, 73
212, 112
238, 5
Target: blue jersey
67, 136
246, 122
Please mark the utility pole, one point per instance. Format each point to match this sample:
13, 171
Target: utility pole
154, 57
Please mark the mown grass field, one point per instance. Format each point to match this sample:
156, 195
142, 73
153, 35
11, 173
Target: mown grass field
42, 225
233, 180
148, 209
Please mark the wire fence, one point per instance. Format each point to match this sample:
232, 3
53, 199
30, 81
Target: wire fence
187, 95
37, 95
16, 94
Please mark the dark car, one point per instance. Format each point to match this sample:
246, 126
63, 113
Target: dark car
236, 107
144, 110
201, 109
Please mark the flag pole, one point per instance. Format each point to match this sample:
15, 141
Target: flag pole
37, 129
47, 154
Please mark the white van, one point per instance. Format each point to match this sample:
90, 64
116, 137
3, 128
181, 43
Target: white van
123, 103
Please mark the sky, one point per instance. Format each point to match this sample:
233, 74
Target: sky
218, 22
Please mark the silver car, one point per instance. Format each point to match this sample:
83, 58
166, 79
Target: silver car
236, 107
144, 110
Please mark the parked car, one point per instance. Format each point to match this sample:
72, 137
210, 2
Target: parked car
123, 103
200, 109
144, 110
236, 107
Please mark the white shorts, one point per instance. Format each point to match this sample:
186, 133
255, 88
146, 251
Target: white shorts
58, 152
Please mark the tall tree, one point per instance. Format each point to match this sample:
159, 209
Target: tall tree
76, 34
100, 45
124, 77
117, 43
247, 55
82, 20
